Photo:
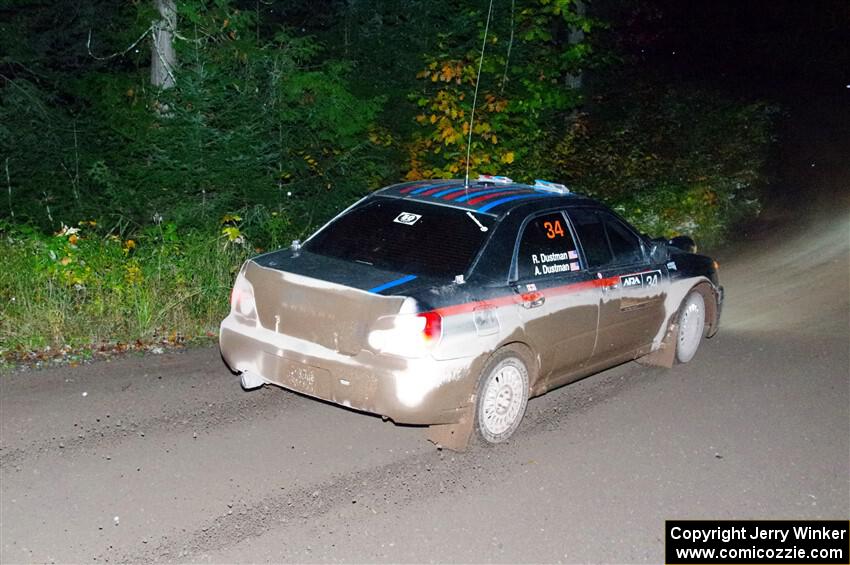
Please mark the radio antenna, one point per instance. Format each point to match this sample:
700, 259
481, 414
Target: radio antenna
475, 98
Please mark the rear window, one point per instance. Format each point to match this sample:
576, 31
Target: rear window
405, 236
613, 244
591, 233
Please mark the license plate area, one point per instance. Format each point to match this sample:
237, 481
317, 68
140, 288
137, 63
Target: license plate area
300, 377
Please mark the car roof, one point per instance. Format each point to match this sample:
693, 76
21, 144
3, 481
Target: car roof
485, 197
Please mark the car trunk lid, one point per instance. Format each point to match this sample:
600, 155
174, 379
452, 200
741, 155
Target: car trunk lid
330, 314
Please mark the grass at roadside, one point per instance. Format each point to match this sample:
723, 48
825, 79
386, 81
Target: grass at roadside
79, 288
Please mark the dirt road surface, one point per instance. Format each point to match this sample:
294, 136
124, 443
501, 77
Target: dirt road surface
165, 458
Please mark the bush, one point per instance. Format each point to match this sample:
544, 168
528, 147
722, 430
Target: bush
673, 161
80, 286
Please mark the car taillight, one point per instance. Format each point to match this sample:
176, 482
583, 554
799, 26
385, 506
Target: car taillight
242, 297
407, 335
433, 329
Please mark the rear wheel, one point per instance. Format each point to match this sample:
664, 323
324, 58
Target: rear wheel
691, 326
502, 396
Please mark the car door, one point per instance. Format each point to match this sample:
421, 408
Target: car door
556, 299
631, 308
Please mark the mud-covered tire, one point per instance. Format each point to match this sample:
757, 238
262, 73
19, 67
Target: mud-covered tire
691, 326
502, 396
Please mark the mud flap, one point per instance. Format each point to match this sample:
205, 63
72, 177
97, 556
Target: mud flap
664, 355
452, 436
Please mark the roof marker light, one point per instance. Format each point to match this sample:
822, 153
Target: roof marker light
495, 179
551, 186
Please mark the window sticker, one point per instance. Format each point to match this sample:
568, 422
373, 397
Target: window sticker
549, 263
407, 218
554, 229
546, 248
648, 279
549, 269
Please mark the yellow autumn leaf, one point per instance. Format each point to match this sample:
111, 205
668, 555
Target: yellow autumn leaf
508, 157
231, 232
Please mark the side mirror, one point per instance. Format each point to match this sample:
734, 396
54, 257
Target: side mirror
295, 245
685, 243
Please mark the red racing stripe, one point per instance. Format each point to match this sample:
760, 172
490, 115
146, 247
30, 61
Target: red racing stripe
431, 191
517, 298
414, 186
478, 199
461, 191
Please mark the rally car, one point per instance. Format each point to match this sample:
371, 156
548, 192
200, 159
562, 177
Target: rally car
449, 304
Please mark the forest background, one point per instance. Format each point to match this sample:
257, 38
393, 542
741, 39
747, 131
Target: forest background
148, 147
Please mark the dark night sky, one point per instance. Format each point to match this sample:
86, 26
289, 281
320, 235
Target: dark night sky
794, 53
773, 48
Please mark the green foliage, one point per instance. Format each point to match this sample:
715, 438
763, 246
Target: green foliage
524, 91
673, 161
80, 286
251, 122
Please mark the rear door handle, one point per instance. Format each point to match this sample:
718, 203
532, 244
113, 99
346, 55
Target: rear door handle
532, 299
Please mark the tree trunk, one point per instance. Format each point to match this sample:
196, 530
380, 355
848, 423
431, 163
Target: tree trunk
576, 36
163, 57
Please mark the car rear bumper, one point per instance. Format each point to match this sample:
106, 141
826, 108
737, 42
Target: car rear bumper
410, 391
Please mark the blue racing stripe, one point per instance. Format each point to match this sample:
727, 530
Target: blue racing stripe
391, 284
510, 198
466, 197
448, 190
430, 186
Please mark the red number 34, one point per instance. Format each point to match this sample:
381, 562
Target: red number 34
553, 230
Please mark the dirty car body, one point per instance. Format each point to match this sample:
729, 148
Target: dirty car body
397, 305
